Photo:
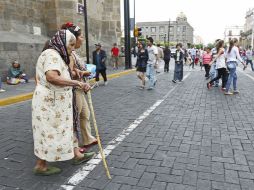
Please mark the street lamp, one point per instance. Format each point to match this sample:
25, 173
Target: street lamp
252, 35
86, 32
168, 30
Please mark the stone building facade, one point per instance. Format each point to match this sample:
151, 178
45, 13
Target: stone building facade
25, 26
179, 30
247, 37
231, 32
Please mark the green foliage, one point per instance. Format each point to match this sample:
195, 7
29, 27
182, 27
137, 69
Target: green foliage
199, 46
210, 45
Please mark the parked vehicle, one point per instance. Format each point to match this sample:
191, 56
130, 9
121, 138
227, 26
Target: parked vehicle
173, 52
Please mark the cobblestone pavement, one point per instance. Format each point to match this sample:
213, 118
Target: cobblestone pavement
14, 90
196, 139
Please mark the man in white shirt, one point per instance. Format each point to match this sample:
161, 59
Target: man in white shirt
152, 63
193, 56
249, 58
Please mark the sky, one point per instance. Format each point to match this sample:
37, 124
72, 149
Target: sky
208, 17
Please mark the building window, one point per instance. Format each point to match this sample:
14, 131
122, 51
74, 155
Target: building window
147, 29
178, 28
230, 32
162, 29
162, 37
184, 28
154, 37
153, 29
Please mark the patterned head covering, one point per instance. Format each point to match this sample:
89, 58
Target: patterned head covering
60, 41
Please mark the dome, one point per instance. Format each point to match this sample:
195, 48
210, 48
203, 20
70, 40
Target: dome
181, 15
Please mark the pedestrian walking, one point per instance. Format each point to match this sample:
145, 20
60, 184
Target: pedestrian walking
179, 57
220, 66
167, 57
193, 56
160, 57
115, 56
142, 58
233, 56
52, 106
152, 63
207, 58
213, 71
79, 72
1, 89
201, 52
99, 59
249, 58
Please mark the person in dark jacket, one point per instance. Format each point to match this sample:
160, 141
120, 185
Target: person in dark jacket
167, 56
99, 59
142, 58
179, 56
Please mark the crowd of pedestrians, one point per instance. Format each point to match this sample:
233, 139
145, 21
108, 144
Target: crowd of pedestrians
224, 64
219, 62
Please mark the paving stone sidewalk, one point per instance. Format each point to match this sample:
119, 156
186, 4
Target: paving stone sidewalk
14, 90
195, 140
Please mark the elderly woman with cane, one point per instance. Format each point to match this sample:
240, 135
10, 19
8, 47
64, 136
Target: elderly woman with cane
52, 106
79, 72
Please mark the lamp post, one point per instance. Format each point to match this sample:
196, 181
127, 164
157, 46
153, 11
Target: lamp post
127, 37
168, 30
86, 32
252, 35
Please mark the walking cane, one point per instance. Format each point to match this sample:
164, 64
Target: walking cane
97, 133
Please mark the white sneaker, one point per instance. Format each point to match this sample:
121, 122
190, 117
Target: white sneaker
96, 84
106, 83
2, 90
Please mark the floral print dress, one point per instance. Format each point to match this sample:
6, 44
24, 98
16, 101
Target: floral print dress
52, 117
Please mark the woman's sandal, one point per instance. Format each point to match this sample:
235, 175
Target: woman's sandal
50, 171
87, 157
89, 145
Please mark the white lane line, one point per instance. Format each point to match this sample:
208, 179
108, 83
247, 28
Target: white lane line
81, 173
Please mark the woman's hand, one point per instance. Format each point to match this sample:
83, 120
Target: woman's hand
86, 73
84, 86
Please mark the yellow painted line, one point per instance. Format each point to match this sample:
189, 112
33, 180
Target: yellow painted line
28, 96
16, 99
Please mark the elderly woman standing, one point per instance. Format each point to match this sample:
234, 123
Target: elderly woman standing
52, 111
79, 71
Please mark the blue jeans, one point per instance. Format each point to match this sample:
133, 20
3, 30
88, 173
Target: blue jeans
250, 61
178, 74
232, 76
150, 73
214, 73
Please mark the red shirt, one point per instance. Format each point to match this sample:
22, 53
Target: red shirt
115, 51
207, 58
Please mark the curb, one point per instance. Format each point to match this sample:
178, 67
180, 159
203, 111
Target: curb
28, 96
